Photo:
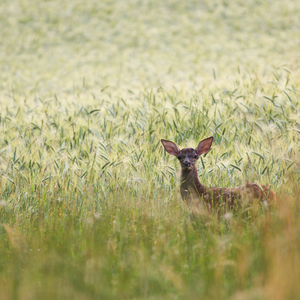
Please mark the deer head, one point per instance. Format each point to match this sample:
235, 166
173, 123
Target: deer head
188, 156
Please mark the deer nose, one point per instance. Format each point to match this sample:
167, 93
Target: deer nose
186, 163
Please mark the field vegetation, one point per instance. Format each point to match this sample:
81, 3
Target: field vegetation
90, 205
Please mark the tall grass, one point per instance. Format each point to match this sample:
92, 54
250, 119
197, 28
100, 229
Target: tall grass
90, 205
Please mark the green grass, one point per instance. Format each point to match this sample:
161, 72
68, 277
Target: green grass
90, 205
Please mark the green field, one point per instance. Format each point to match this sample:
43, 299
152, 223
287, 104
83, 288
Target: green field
90, 205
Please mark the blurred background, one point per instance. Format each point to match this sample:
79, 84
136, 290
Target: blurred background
57, 46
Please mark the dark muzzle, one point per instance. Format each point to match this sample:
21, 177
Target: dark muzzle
186, 164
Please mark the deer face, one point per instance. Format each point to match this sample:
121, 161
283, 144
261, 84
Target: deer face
188, 156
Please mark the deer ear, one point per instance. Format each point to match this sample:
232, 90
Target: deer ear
170, 147
204, 146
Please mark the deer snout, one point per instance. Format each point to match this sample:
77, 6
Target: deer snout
186, 163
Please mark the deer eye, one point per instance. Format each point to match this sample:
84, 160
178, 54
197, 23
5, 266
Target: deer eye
195, 156
179, 157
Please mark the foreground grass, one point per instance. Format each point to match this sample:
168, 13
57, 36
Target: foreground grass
90, 206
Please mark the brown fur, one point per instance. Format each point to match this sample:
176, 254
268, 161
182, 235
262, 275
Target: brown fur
192, 190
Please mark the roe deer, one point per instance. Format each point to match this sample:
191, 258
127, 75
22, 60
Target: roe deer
192, 190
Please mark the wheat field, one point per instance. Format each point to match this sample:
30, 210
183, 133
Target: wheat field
90, 205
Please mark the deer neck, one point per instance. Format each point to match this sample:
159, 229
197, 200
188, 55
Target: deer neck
190, 180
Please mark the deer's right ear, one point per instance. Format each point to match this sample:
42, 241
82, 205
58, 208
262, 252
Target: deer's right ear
170, 147
204, 145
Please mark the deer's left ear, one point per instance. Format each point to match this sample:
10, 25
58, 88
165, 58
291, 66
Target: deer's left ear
170, 147
204, 146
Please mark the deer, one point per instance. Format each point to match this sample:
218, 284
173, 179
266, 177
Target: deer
193, 191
